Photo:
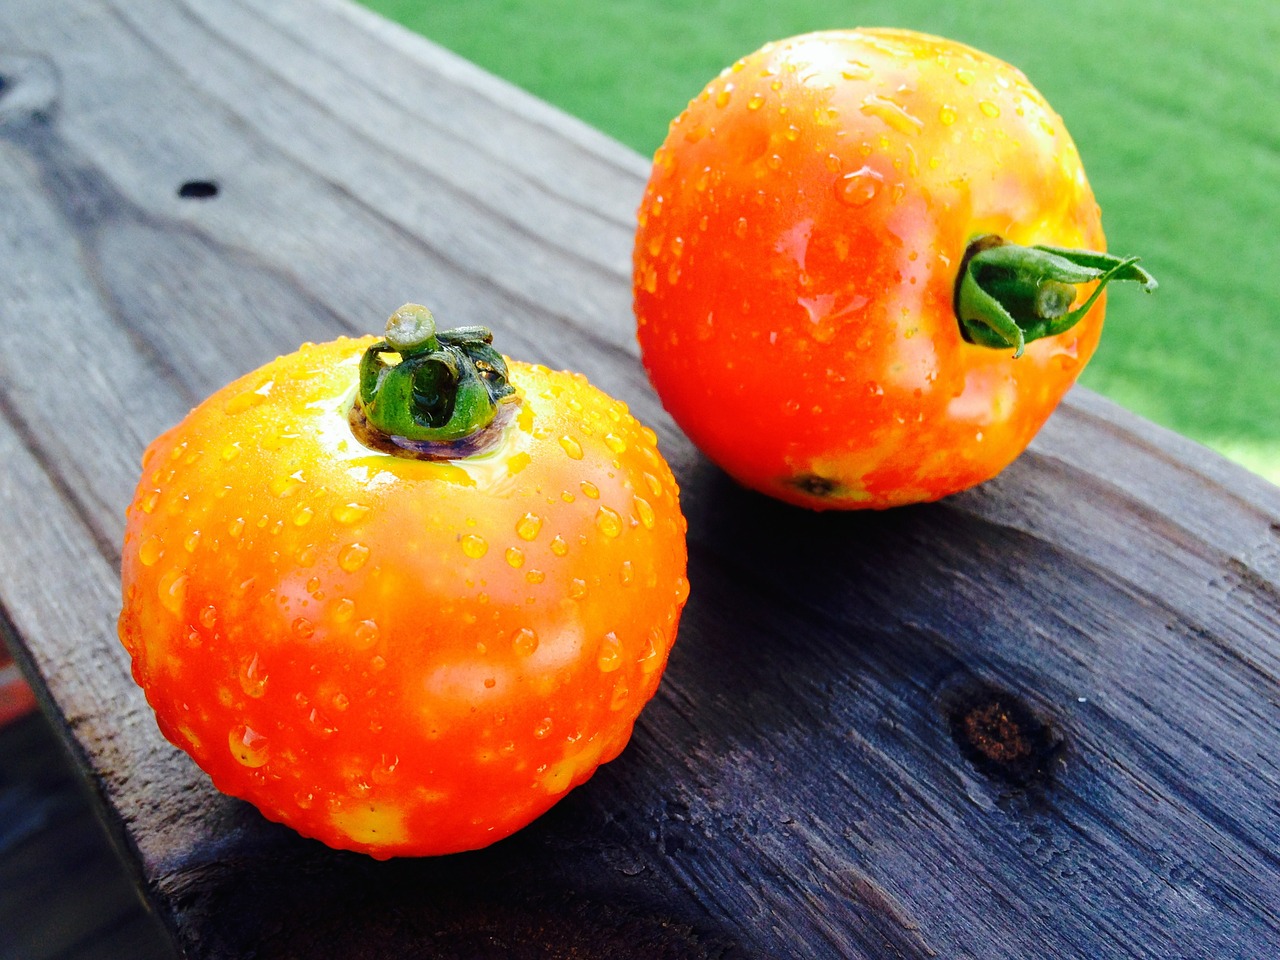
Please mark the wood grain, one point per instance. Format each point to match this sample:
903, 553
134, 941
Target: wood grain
1037, 719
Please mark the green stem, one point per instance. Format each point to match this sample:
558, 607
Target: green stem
1008, 295
438, 395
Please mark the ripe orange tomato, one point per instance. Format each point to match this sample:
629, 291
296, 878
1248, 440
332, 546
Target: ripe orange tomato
395, 655
798, 265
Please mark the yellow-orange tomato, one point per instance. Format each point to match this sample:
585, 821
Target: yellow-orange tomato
391, 655
797, 257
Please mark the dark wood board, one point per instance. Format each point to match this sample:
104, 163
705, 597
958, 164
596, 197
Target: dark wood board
809, 781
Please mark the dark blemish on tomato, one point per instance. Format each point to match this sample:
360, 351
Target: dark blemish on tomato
814, 485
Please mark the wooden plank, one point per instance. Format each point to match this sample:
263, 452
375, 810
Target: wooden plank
811, 779
65, 894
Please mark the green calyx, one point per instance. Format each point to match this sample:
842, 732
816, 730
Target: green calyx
1008, 295
424, 389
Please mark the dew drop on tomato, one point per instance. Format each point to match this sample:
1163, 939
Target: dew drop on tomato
609, 657
474, 546
366, 634
527, 527
348, 513
353, 557
608, 522
525, 641
248, 746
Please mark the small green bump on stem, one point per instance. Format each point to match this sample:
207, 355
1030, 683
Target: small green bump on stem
429, 393
411, 328
1009, 295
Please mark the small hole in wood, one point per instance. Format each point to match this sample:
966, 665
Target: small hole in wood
1002, 737
198, 190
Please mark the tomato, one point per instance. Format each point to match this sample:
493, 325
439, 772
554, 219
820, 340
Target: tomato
813, 220
395, 654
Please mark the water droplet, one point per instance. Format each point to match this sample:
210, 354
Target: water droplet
150, 500
172, 590
248, 746
303, 628
366, 634
287, 486
236, 527
340, 701
353, 557
965, 76
527, 527
947, 115
515, 557
302, 516
651, 655
608, 522
860, 187
756, 102
892, 114
253, 681
348, 513
524, 641
621, 693
230, 452
644, 510
151, 551
682, 589
590, 489
490, 683
535, 576
248, 399
609, 657
384, 771
740, 228
320, 723
626, 573
577, 588
558, 546
208, 617
474, 546
722, 98
543, 729
989, 109
654, 484
857, 70
571, 447
344, 610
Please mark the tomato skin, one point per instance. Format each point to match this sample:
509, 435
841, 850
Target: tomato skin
796, 258
390, 655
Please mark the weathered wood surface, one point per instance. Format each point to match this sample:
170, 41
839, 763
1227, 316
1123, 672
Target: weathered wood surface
63, 892
805, 783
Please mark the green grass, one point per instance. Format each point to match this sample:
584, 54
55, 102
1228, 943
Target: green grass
1174, 108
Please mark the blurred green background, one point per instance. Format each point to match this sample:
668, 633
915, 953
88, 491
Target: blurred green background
1175, 109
